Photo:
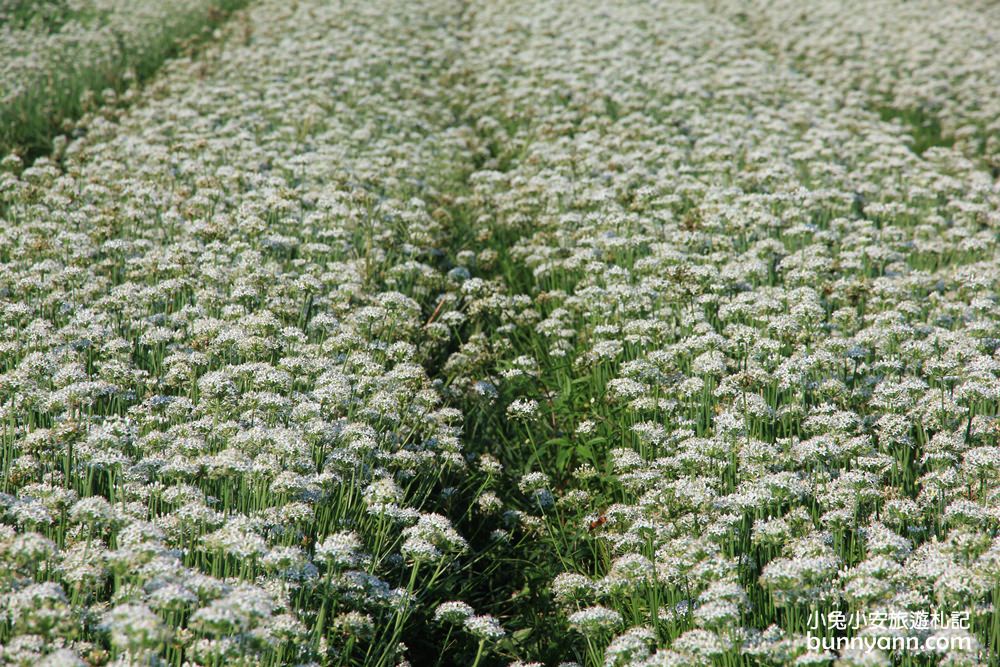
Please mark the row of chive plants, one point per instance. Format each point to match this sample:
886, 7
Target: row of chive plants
60, 60
930, 66
220, 441
739, 339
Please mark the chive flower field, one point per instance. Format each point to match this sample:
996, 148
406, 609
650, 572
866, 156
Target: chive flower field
535, 333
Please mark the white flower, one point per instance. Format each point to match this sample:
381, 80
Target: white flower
522, 409
341, 550
135, 628
630, 647
485, 628
453, 612
595, 620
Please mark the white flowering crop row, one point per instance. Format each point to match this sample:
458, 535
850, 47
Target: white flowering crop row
932, 65
758, 376
220, 441
449, 333
59, 58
